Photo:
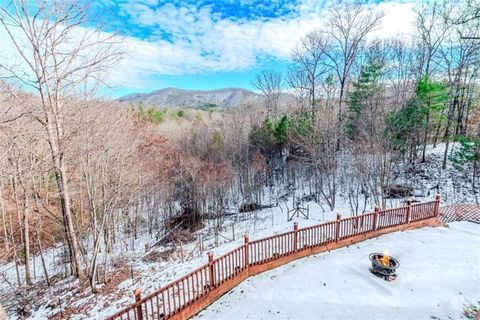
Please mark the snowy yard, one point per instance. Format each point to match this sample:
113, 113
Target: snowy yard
152, 275
439, 276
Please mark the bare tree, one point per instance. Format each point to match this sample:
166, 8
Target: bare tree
307, 69
269, 82
314, 141
347, 29
401, 69
470, 11
433, 29
59, 58
459, 57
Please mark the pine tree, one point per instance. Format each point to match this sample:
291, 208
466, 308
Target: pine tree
432, 97
363, 97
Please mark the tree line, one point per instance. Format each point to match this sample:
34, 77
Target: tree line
93, 175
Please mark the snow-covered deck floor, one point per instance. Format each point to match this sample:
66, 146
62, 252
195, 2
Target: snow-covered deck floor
439, 275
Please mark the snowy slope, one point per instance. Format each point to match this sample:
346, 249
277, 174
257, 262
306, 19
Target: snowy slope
439, 276
148, 275
454, 184
151, 275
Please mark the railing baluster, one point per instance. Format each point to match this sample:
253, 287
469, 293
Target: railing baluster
151, 309
173, 299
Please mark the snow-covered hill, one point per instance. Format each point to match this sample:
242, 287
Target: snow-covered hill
428, 178
174, 97
217, 98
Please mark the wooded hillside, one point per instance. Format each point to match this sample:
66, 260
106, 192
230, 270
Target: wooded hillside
84, 174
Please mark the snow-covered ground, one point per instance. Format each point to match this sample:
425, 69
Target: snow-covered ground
439, 276
453, 183
151, 275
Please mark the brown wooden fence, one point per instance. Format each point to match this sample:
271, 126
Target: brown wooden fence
193, 292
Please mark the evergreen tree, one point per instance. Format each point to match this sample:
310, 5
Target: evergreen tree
363, 97
401, 128
406, 126
432, 97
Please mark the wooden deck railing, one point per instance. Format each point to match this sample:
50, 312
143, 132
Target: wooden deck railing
193, 292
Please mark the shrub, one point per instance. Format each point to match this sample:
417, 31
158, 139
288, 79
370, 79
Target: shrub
151, 113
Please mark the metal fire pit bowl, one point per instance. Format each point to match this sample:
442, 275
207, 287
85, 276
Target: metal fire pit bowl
385, 272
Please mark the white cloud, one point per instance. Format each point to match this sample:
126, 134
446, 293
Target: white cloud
199, 40
399, 19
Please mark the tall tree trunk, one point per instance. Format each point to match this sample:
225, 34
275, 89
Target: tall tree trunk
464, 97
437, 133
68, 220
340, 102
425, 134
38, 231
62, 185
26, 238
447, 129
15, 255
96, 249
6, 242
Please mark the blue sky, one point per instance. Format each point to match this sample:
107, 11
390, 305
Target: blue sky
212, 44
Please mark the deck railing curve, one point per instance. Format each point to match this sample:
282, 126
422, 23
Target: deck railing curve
199, 288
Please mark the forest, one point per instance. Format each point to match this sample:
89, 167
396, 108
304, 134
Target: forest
83, 174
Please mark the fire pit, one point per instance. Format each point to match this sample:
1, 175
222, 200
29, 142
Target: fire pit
384, 266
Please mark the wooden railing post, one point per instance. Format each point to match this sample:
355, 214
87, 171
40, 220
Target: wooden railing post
337, 227
138, 296
409, 211
245, 251
437, 205
210, 269
295, 236
375, 217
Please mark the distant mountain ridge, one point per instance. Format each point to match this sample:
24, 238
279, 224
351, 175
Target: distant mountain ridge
181, 98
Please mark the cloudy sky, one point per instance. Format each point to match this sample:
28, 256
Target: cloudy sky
209, 44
